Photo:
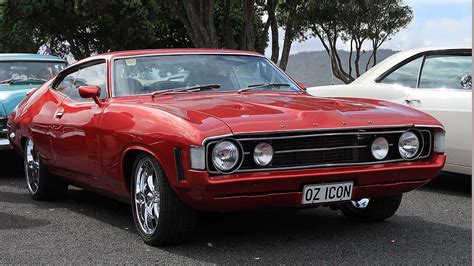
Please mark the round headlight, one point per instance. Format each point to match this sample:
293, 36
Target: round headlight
408, 145
263, 154
379, 148
225, 156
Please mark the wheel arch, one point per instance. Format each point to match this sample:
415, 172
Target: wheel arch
129, 155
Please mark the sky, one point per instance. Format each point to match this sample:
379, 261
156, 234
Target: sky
435, 22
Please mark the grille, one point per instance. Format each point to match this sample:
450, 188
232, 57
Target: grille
323, 149
3, 127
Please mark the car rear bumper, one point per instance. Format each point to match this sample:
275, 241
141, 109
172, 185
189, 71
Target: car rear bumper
285, 188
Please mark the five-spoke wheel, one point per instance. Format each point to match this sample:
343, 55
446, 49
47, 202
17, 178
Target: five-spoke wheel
147, 196
41, 184
32, 167
160, 216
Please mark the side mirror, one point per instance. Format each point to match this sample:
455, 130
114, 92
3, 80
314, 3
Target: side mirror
466, 82
302, 85
90, 92
30, 91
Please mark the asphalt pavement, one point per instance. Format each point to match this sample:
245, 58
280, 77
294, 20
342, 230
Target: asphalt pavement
433, 225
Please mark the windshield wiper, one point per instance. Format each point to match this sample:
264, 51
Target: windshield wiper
37, 79
10, 81
193, 88
254, 86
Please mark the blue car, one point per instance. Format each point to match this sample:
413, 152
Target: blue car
19, 74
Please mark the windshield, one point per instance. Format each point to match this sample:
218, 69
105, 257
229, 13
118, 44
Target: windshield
150, 74
32, 70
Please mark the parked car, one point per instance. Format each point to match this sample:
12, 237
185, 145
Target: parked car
180, 130
19, 74
435, 80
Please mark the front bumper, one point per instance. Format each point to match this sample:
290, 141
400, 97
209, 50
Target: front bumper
246, 191
5, 144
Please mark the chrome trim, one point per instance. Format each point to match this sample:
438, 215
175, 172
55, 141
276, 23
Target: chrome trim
321, 129
324, 149
424, 141
5, 144
429, 126
324, 134
216, 137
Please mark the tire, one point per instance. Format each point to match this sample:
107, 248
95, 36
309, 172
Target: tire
40, 183
377, 209
160, 217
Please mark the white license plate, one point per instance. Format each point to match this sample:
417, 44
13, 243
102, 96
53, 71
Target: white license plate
327, 192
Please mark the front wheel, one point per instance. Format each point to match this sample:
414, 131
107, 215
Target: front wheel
160, 217
372, 210
41, 184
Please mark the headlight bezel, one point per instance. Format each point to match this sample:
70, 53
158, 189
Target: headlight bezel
239, 160
420, 148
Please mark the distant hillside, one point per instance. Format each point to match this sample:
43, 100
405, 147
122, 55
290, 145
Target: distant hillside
313, 68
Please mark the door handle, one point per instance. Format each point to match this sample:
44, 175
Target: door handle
59, 114
412, 101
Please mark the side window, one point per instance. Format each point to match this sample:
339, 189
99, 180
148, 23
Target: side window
406, 75
446, 71
95, 75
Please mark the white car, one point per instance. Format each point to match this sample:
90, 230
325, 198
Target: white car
435, 80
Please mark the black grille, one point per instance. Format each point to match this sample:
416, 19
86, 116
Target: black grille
323, 149
3, 128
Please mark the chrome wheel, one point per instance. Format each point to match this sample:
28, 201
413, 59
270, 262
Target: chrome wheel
32, 166
147, 196
361, 204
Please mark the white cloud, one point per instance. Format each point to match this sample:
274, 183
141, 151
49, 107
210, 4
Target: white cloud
439, 31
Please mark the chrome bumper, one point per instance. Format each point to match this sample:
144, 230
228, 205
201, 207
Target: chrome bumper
5, 144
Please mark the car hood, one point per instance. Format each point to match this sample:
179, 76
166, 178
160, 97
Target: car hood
11, 95
260, 111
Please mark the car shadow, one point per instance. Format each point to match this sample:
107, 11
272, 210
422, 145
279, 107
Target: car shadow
451, 184
11, 164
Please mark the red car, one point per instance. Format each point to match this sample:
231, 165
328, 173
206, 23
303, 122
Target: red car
176, 131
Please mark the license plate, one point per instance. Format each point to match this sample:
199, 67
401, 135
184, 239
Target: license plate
327, 192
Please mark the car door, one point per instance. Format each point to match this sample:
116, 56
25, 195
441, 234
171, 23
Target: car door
443, 92
76, 144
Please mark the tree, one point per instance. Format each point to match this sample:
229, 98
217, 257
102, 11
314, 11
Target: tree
86, 27
386, 18
230, 24
354, 22
270, 7
198, 19
292, 17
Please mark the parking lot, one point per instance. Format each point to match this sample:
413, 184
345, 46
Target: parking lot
433, 225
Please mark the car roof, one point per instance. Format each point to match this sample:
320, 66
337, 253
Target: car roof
28, 57
131, 53
178, 51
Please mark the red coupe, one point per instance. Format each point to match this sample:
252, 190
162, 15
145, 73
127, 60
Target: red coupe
176, 131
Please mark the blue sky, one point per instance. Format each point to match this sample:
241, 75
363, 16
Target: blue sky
436, 22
